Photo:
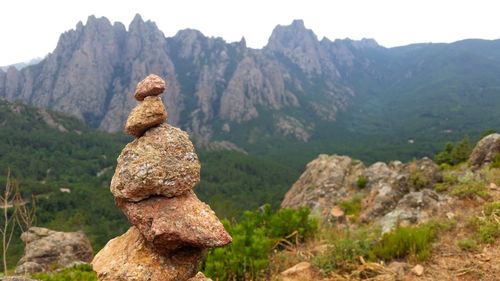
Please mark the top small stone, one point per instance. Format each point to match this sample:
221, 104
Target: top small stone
152, 85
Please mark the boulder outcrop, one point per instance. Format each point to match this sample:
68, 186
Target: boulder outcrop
153, 184
326, 181
392, 193
47, 249
485, 150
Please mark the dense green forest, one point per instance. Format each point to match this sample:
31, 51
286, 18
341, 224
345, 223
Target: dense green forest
68, 155
47, 152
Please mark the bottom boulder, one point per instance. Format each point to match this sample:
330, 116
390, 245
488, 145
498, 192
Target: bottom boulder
130, 257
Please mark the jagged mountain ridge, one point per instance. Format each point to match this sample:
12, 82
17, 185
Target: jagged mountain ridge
340, 95
94, 68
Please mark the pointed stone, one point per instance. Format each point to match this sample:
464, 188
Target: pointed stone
152, 85
147, 114
171, 223
200, 277
130, 257
161, 162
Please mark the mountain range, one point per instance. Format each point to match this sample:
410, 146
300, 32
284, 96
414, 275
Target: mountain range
297, 89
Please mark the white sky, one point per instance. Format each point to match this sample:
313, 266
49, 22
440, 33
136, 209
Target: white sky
31, 28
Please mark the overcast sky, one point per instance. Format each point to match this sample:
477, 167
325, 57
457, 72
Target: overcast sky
31, 28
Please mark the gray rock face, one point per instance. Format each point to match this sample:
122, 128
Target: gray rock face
486, 150
389, 183
326, 181
47, 249
95, 65
413, 208
394, 192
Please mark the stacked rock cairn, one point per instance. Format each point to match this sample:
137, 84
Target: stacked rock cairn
152, 185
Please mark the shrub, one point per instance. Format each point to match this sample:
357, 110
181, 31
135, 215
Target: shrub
352, 207
454, 154
489, 231
406, 241
345, 247
467, 245
441, 187
487, 227
492, 208
247, 258
361, 182
495, 164
469, 186
418, 180
470, 190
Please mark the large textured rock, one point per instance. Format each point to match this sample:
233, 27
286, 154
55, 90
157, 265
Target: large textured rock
389, 183
152, 85
131, 258
326, 181
171, 223
485, 150
413, 208
47, 249
161, 162
147, 114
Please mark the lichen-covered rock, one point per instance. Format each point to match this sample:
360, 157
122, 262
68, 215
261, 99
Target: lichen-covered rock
326, 181
130, 257
149, 113
485, 150
47, 249
181, 221
152, 85
389, 183
413, 208
161, 162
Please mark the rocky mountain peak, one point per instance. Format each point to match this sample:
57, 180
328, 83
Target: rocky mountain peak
299, 45
95, 65
292, 36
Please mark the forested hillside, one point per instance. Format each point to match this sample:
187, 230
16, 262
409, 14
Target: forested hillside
68, 167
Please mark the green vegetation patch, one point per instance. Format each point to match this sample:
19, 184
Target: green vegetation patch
467, 245
78, 273
469, 186
254, 237
345, 246
454, 154
406, 241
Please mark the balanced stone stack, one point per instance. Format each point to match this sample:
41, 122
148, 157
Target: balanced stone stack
153, 184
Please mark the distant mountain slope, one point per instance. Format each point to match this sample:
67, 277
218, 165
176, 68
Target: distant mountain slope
297, 89
68, 166
94, 68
